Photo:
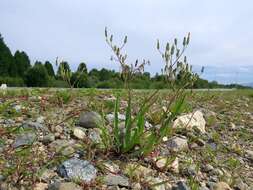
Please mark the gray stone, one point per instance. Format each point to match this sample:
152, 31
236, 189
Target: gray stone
112, 179
77, 169
24, 139
48, 138
110, 117
94, 135
34, 126
64, 186
176, 144
249, 154
181, 186
240, 185
207, 168
90, 120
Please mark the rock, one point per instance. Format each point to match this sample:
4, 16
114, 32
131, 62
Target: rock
79, 133
249, 154
2, 178
48, 138
189, 121
240, 185
156, 183
64, 186
177, 144
207, 168
24, 139
17, 108
136, 186
221, 186
90, 120
232, 126
59, 145
181, 186
111, 167
47, 175
138, 171
40, 120
112, 180
58, 129
77, 169
3, 86
94, 135
41, 186
34, 126
164, 163
110, 117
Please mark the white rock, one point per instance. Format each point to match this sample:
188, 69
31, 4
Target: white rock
191, 120
79, 133
3, 86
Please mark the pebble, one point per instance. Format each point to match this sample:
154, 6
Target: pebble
112, 180
177, 144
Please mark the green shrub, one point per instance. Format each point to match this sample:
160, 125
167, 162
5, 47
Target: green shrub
12, 81
37, 76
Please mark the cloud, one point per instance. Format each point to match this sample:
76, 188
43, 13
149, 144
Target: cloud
73, 30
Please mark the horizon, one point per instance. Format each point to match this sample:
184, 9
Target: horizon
73, 31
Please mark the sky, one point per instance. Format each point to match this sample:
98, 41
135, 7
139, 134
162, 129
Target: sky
73, 30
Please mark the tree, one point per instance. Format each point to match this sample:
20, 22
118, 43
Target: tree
82, 68
37, 76
38, 63
22, 63
50, 69
63, 66
6, 58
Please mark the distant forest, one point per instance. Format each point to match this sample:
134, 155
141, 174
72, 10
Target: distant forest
17, 71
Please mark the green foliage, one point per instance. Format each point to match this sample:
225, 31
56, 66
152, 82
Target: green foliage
50, 69
22, 63
63, 96
12, 81
6, 59
37, 76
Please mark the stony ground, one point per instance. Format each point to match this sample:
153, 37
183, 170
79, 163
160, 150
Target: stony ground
49, 140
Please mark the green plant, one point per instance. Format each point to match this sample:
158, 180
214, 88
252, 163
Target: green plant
135, 138
63, 96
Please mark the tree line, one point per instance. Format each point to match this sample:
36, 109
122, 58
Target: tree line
17, 70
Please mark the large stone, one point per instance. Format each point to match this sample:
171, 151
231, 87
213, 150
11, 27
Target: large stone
90, 119
24, 139
112, 180
189, 121
64, 186
76, 169
177, 144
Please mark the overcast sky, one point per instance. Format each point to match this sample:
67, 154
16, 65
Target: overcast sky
73, 30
